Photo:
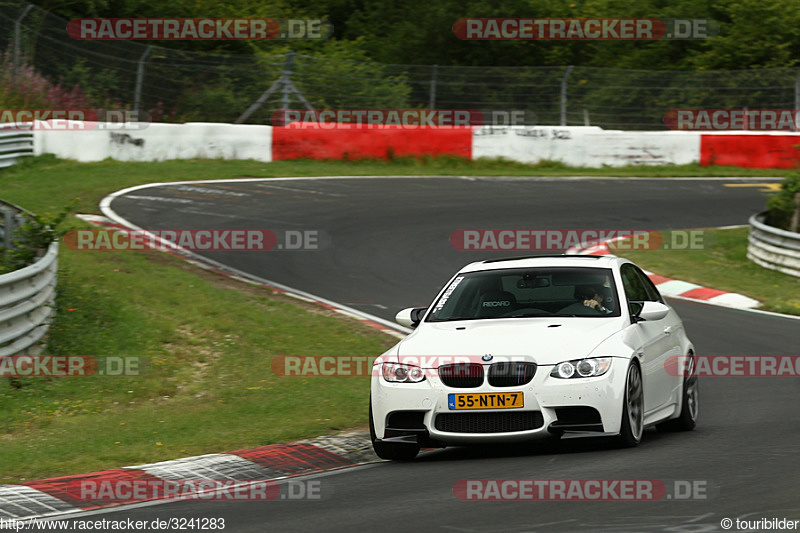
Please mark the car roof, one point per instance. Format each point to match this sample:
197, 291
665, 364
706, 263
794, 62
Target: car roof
590, 261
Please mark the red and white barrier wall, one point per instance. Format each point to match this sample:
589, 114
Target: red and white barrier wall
586, 146
349, 142
155, 142
574, 146
750, 149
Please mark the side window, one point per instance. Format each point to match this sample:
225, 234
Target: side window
652, 293
633, 284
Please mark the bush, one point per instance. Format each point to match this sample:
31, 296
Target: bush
31, 240
28, 89
781, 206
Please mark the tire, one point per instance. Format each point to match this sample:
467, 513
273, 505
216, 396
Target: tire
392, 451
690, 403
630, 434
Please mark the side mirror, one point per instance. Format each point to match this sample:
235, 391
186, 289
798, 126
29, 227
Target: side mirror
410, 317
648, 311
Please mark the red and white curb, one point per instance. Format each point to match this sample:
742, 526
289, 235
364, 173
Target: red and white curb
384, 326
679, 289
53, 497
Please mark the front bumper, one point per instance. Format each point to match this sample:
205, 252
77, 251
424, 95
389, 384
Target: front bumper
419, 412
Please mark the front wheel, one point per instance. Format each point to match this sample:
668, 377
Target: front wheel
392, 451
630, 434
690, 403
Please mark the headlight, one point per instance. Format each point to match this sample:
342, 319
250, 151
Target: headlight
582, 368
397, 373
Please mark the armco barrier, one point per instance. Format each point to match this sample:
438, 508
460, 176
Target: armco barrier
26, 303
26, 299
773, 248
14, 144
751, 150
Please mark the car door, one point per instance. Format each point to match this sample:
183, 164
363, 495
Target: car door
667, 384
656, 339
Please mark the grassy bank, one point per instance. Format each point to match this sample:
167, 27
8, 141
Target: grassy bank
205, 344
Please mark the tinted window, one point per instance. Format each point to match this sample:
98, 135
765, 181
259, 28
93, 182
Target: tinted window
632, 283
652, 293
529, 292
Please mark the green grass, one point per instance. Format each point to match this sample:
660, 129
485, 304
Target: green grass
725, 266
208, 385
209, 341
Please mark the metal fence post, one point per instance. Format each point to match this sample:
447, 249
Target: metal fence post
288, 88
137, 96
796, 98
564, 95
17, 32
286, 76
432, 98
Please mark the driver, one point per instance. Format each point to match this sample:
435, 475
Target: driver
588, 297
592, 296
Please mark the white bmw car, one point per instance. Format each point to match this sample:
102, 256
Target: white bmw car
518, 349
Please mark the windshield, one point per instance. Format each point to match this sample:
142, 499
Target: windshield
528, 292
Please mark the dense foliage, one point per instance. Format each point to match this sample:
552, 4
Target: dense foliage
754, 33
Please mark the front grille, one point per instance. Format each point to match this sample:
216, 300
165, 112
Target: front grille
462, 375
488, 422
511, 374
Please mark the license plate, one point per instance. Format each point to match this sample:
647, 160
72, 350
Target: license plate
486, 400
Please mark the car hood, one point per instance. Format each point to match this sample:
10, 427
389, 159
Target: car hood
543, 341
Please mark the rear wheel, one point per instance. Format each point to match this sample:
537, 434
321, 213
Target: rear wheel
632, 408
392, 451
690, 403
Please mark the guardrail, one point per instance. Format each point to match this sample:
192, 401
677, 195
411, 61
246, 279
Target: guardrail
14, 144
26, 295
773, 248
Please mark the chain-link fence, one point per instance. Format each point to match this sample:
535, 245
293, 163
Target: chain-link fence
178, 85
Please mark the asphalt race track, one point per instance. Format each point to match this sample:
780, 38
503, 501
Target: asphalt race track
389, 249
390, 236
